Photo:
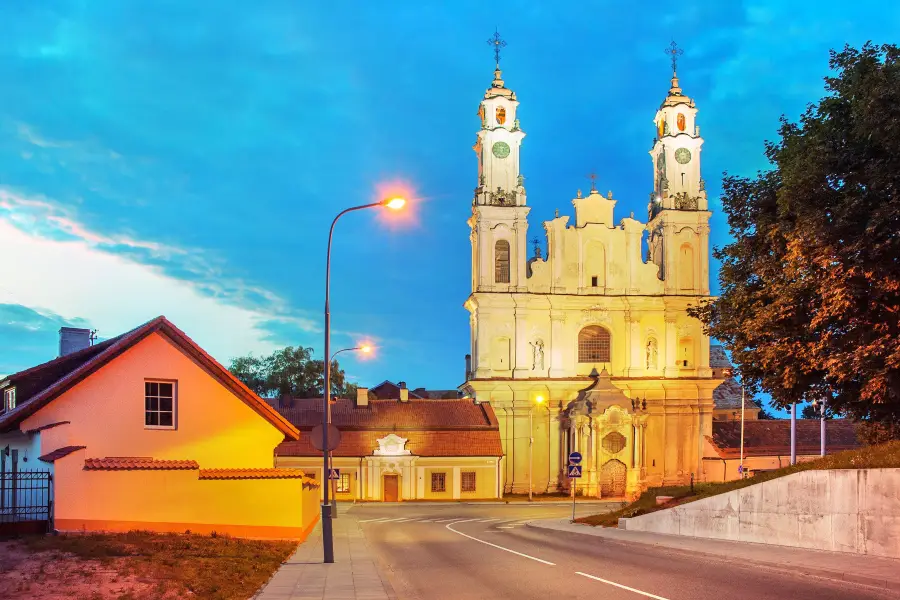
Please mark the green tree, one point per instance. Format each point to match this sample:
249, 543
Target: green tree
290, 371
810, 302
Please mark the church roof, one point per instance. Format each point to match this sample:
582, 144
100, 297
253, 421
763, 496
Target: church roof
717, 357
597, 396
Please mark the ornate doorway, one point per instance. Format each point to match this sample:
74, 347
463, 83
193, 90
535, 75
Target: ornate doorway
391, 487
612, 478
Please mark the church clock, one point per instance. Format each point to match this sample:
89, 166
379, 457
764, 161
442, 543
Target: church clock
500, 149
683, 156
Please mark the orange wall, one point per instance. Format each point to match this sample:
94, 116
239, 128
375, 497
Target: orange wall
214, 427
178, 500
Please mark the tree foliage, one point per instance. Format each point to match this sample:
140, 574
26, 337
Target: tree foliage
810, 302
290, 371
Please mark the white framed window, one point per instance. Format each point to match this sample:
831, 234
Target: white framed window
467, 481
9, 399
438, 482
159, 404
343, 484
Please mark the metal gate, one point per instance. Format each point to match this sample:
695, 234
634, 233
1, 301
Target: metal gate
612, 478
25, 502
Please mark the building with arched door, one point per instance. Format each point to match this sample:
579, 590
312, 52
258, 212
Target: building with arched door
590, 347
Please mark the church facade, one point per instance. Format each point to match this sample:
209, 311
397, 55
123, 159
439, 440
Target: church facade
590, 348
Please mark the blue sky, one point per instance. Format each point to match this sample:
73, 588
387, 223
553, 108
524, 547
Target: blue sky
185, 157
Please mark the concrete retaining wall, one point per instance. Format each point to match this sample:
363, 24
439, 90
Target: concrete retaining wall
846, 510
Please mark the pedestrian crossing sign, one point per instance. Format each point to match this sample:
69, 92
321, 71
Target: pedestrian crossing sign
334, 474
574, 471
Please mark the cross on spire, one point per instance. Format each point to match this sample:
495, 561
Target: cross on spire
536, 242
497, 42
673, 51
593, 177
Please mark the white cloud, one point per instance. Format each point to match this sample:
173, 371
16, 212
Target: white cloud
81, 276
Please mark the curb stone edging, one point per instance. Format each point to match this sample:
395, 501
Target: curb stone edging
846, 577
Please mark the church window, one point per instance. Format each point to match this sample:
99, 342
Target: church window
467, 482
614, 442
438, 482
501, 115
594, 281
593, 345
680, 122
501, 262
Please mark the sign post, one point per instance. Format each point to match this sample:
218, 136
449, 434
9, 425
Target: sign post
574, 472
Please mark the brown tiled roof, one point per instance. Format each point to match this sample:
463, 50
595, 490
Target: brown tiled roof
717, 357
47, 426
251, 474
59, 453
388, 389
421, 443
436, 394
40, 385
728, 395
415, 415
123, 463
772, 437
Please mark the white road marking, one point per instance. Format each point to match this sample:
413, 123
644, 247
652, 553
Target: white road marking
507, 527
619, 585
372, 520
447, 520
465, 535
488, 520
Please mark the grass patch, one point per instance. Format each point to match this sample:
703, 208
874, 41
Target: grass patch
198, 566
882, 456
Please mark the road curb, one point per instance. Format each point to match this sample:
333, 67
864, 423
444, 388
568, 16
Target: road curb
848, 577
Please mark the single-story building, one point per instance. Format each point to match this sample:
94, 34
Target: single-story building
146, 431
401, 449
767, 444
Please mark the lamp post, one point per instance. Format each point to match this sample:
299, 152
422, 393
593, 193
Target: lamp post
538, 400
821, 406
365, 349
742, 431
327, 538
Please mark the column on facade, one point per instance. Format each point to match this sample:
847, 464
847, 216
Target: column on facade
671, 368
482, 363
520, 346
703, 369
420, 482
636, 360
670, 256
457, 484
633, 252
521, 229
557, 343
485, 255
704, 260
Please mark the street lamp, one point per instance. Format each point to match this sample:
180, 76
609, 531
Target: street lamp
394, 203
538, 400
820, 404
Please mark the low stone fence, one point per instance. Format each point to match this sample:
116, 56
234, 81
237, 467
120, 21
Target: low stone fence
843, 510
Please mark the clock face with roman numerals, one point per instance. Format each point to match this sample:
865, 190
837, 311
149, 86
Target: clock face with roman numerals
683, 156
500, 149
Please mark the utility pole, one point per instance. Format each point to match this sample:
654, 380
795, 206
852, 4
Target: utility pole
794, 433
742, 431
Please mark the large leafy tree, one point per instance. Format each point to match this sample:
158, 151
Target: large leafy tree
290, 371
810, 302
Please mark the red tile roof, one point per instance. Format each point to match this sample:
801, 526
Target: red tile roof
415, 415
251, 474
421, 443
123, 463
59, 453
457, 427
40, 385
772, 437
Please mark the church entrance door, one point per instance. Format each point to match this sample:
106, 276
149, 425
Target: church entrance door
612, 478
391, 487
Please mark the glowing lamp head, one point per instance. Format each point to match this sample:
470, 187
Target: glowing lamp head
365, 348
395, 203
539, 399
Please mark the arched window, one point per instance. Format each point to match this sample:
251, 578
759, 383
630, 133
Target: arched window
501, 115
593, 345
501, 262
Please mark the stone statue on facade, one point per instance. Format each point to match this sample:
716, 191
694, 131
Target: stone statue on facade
652, 353
537, 350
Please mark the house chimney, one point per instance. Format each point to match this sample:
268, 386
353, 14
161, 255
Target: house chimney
73, 339
468, 366
404, 393
362, 397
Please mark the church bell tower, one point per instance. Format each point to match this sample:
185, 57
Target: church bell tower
678, 215
499, 229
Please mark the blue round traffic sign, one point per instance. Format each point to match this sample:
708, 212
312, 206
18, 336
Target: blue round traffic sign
574, 458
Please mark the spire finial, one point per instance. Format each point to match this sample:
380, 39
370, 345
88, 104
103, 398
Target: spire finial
497, 43
673, 51
593, 177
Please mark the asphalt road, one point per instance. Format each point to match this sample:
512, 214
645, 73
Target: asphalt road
468, 552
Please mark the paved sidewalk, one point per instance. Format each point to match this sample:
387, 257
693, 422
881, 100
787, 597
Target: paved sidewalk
353, 575
868, 570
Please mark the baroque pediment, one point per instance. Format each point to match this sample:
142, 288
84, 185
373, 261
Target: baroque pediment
392, 445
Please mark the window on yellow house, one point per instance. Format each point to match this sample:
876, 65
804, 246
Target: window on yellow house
438, 482
343, 484
468, 481
159, 404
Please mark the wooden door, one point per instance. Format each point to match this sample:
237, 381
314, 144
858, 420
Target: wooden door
391, 488
612, 479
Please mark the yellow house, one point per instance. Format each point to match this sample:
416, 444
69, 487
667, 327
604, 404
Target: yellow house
401, 449
148, 431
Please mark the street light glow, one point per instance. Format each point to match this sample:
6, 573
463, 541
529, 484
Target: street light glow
365, 348
395, 203
539, 399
